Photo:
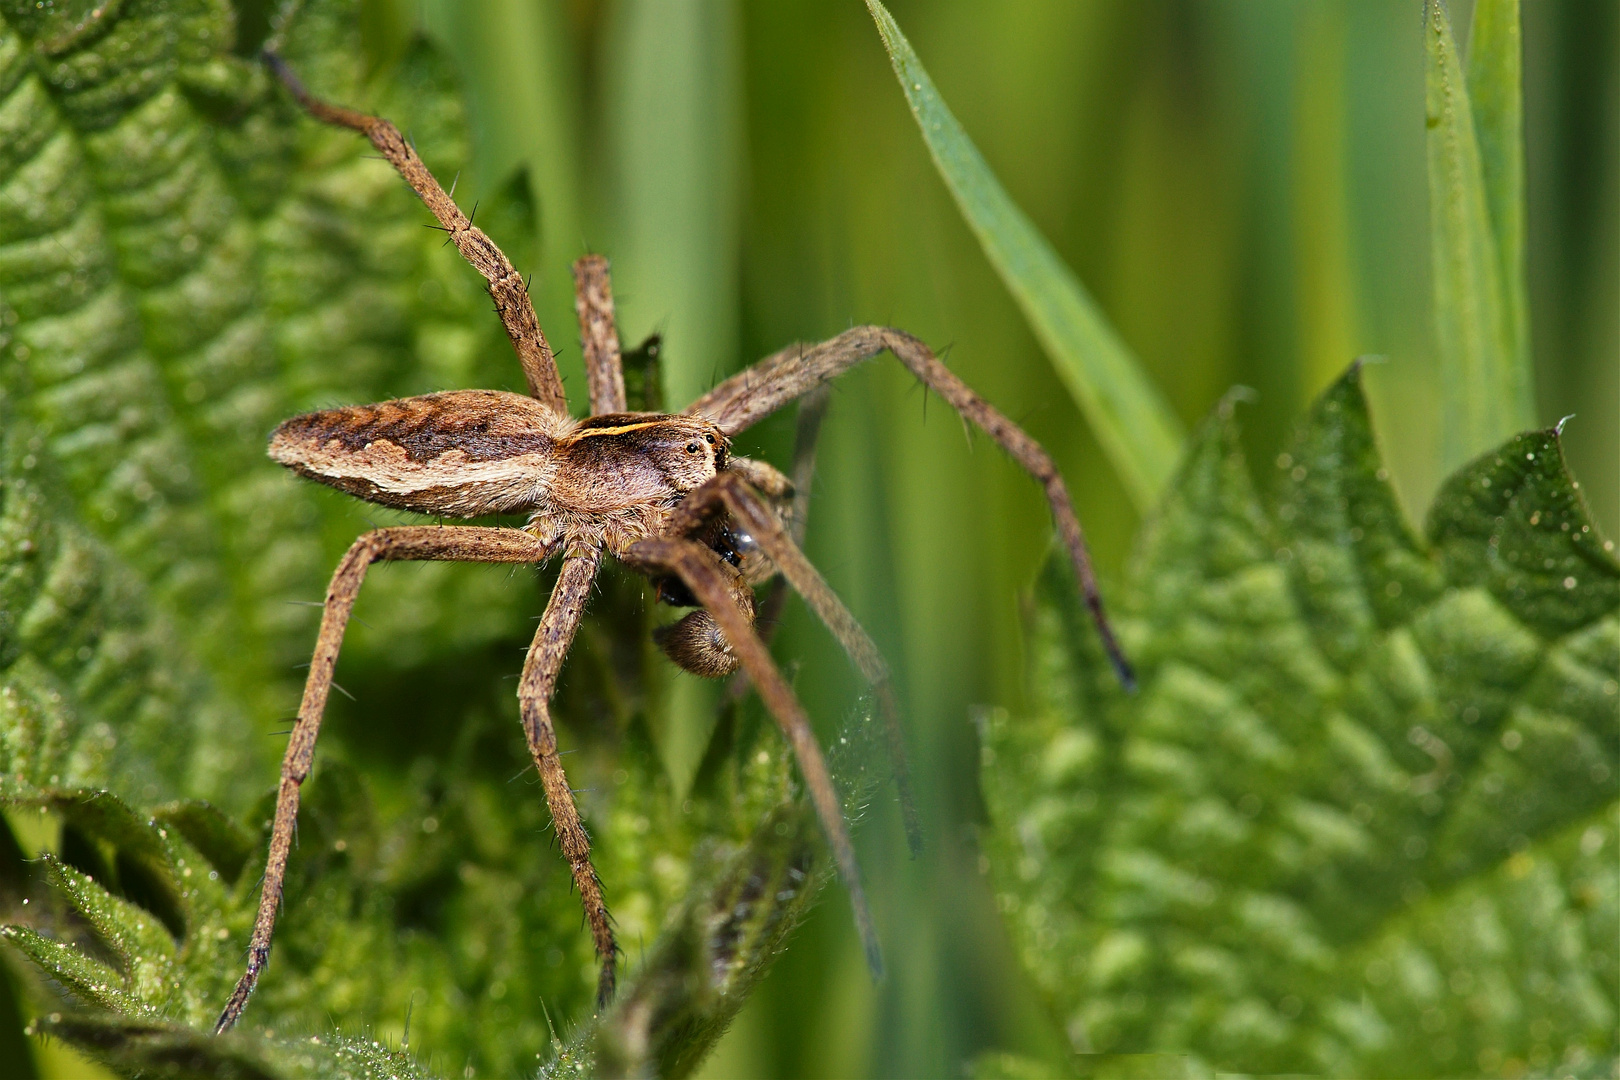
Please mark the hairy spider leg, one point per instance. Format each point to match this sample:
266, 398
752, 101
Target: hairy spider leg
599, 337
807, 432
424, 543
730, 493
754, 393
506, 286
540, 669
711, 582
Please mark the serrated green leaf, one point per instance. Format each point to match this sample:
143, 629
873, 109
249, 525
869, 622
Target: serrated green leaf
155, 878
184, 261
95, 686
1136, 427
1485, 375
141, 943
88, 979
1358, 819
349, 941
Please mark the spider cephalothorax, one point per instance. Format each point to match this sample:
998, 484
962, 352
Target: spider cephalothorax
659, 492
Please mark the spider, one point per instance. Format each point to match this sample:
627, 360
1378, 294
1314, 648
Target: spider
662, 493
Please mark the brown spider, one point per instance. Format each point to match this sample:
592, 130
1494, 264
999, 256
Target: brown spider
661, 493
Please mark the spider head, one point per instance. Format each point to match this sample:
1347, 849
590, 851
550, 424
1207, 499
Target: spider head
688, 450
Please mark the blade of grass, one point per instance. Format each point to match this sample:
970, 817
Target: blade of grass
1129, 416
1484, 392
1496, 94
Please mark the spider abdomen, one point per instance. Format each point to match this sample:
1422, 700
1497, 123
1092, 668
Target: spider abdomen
463, 453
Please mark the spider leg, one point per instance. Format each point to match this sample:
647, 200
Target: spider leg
729, 492
593, 301
703, 573
415, 543
540, 669
754, 393
812, 410
506, 285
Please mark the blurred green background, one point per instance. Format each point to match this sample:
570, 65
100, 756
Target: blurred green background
1240, 184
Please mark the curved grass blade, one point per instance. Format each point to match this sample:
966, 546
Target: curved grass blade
1485, 383
1142, 436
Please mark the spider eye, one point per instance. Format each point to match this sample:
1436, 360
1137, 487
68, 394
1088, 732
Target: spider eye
710, 438
692, 448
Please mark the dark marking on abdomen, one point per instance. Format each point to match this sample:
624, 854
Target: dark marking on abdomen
485, 425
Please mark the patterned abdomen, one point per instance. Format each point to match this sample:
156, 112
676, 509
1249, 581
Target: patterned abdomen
463, 453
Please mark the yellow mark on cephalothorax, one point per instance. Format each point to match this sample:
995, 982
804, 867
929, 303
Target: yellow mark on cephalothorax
620, 430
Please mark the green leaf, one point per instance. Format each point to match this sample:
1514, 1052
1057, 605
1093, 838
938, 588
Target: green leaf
160, 910
1485, 376
89, 980
156, 1009
1496, 97
184, 261
1132, 421
96, 686
1361, 819
349, 943
141, 944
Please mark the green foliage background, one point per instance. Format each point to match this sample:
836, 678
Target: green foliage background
1241, 185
